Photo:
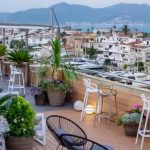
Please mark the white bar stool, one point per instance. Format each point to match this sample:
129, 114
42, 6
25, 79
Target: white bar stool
90, 88
144, 132
16, 73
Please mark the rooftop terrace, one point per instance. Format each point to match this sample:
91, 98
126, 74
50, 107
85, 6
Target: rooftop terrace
113, 135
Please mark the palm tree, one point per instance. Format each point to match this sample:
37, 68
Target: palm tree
125, 29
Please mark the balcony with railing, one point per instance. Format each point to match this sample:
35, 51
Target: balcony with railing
100, 132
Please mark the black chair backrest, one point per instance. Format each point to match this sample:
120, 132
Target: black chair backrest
59, 125
85, 144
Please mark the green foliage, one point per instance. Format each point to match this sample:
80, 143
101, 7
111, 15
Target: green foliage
42, 73
57, 61
145, 35
19, 56
125, 29
3, 50
140, 66
98, 32
17, 44
107, 62
91, 52
56, 58
52, 84
129, 118
125, 66
5, 103
20, 117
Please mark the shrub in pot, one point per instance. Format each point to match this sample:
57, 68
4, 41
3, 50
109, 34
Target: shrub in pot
56, 91
57, 88
130, 123
130, 120
39, 94
21, 118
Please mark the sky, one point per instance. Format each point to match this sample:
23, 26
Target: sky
16, 5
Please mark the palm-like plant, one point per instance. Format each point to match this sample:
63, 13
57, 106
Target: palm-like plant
56, 58
19, 56
125, 29
57, 61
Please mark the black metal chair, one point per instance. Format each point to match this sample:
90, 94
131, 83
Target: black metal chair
59, 125
86, 144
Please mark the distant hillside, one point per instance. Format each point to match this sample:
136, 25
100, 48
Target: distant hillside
130, 13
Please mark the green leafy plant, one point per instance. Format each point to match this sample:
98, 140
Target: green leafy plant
5, 102
3, 50
17, 44
20, 117
57, 61
53, 84
19, 56
129, 118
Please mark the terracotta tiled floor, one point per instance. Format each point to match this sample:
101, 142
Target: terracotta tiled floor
113, 136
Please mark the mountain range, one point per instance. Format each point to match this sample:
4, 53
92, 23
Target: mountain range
127, 13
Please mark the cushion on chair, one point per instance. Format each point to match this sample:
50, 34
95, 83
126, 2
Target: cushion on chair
97, 147
78, 148
61, 131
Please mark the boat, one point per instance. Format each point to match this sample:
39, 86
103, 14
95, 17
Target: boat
140, 78
89, 65
113, 76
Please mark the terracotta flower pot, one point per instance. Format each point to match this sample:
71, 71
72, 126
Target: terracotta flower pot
19, 143
56, 97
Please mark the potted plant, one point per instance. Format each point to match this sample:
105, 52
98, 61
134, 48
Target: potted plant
56, 91
21, 59
62, 75
21, 118
130, 120
39, 94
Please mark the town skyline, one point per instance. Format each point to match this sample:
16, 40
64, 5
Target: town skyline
16, 5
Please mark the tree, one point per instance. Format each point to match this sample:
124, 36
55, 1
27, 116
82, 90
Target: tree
125, 66
125, 29
91, 52
17, 44
107, 62
145, 35
140, 66
98, 32
114, 27
88, 30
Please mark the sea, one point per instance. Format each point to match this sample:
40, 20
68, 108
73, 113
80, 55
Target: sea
133, 27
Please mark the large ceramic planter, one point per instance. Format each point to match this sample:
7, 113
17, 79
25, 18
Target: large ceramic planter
131, 129
41, 99
56, 97
19, 143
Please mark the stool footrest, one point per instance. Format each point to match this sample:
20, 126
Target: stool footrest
16, 86
147, 133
